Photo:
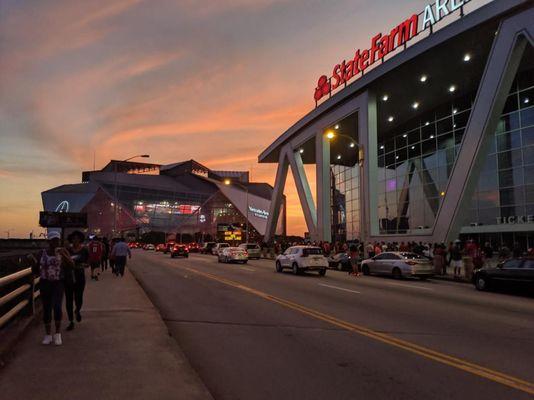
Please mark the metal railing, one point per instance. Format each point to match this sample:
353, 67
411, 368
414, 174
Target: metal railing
21, 297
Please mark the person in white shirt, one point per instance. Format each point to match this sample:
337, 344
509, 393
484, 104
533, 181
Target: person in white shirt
119, 253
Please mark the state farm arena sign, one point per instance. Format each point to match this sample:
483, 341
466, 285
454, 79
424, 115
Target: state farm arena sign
384, 43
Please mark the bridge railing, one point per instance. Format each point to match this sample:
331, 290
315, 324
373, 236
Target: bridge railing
18, 292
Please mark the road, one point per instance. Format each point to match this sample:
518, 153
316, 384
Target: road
252, 333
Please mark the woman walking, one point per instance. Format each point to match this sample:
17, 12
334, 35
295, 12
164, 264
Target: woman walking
54, 264
75, 282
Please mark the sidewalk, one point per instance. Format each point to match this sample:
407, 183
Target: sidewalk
121, 350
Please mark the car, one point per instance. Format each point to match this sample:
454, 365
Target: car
150, 246
302, 258
168, 246
340, 261
179, 250
218, 247
399, 264
253, 250
193, 247
515, 272
233, 254
207, 247
161, 247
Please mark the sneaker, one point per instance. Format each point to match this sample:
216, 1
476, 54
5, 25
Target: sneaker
57, 339
71, 326
47, 339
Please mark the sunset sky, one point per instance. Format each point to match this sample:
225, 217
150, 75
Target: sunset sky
216, 81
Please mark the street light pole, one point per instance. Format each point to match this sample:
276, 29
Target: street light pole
116, 200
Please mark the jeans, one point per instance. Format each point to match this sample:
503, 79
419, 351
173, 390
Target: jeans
74, 292
120, 263
52, 299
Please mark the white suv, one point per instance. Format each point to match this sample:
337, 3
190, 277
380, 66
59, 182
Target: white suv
218, 247
302, 258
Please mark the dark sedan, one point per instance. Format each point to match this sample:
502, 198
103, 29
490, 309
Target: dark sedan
179, 250
514, 272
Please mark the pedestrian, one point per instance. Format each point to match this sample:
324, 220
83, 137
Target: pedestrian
96, 249
119, 253
354, 258
75, 282
456, 259
105, 254
112, 257
439, 260
53, 264
370, 250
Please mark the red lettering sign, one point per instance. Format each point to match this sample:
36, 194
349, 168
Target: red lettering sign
381, 45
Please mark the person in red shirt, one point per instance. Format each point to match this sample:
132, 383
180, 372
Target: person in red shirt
96, 250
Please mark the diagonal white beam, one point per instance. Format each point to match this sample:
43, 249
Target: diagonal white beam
509, 46
324, 207
277, 197
304, 191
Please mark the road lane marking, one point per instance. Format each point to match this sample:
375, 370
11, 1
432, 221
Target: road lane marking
248, 269
458, 363
410, 286
339, 288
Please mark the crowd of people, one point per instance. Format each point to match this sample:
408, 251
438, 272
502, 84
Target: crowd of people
445, 258
62, 275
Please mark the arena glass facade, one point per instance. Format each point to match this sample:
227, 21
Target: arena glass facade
437, 144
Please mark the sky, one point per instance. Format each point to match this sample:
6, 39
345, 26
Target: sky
83, 82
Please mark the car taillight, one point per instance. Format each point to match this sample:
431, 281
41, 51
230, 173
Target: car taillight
411, 263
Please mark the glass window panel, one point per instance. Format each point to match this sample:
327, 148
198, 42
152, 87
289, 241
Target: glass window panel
458, 136
526, 98
429, 146
488, 199
508, 141
401, 141
428, 130
529, 174
445, 141
508, 122
510, 159
488, 182
527, 117
525, 79
488, 216
512, 196
444, 125
414, 150
527, 135
460, 119
529, 193
528, 155
414, 136
511, 177
390, 145
512, 211
401, 155
491, 163
511, 104
390, 159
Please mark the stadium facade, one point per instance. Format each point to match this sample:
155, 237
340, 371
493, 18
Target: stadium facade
425, 135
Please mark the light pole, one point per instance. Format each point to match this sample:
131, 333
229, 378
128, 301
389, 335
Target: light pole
228, 182
116, 200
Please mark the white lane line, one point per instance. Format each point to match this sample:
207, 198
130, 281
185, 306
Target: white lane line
249, 269
339, 288
410, 286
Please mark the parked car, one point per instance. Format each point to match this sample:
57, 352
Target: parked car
150, 246
515, 272
233, 254
179, 250
218, 247
399, 264
193, 247
207, 247
340, 261
302, 258
161, 247
253, 250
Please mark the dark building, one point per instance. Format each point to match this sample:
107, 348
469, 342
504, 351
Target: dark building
184, 197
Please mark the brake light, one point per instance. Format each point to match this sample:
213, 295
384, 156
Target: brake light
411, 263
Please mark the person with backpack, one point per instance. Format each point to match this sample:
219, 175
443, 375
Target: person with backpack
96, 250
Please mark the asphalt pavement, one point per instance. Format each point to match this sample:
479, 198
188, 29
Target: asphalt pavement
252, 333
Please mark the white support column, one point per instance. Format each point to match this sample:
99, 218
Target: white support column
509, 46
278, 194
304, 192
324, 207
